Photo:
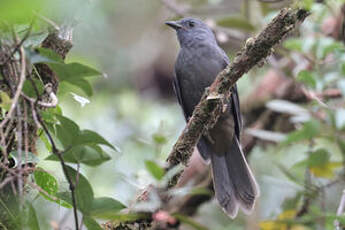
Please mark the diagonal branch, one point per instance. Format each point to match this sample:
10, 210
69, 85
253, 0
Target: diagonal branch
210, 107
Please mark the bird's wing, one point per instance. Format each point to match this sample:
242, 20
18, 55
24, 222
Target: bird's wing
177, 90
235, 102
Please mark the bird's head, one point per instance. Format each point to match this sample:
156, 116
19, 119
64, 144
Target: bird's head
191, 31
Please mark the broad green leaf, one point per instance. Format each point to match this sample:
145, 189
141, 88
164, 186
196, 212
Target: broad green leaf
46, 181
49, 53
105, 207
309, 130
29, 90
6, 101
43, 55
307, 78
83, 84
236, 23
83, 190
67, 131
91, 224
68, 124
86, 154
155, 170
65, 137
72, 71
49, 184
91, 137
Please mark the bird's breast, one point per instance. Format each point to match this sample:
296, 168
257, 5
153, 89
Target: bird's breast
196, 69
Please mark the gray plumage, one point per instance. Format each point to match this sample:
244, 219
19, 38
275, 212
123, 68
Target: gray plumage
199, 61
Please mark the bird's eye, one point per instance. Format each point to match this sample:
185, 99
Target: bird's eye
191, 24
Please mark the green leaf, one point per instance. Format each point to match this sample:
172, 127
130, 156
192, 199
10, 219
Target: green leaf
105, 207
68, 124
91, 224
43, 55
67, 131
83, 84
29, 90
32, 220
91, 137
46, 181
73, 71
236, 23
155, 170
86, 154
83, 190
307, 78
318, 158
49, 184
6, 101
310, 129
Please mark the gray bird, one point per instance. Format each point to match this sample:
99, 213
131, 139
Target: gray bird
199, 61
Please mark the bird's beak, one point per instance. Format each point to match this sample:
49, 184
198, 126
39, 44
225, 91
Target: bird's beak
174, 25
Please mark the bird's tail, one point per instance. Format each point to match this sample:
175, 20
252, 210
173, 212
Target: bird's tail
234, 183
